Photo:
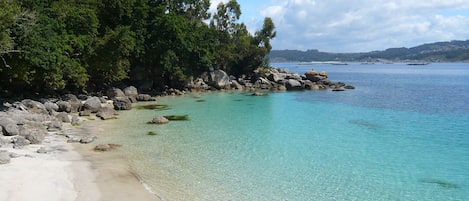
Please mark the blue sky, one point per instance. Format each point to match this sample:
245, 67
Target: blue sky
357, 25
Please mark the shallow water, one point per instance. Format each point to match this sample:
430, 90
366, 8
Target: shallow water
403, 134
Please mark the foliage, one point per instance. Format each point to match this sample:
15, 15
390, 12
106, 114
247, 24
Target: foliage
55, 46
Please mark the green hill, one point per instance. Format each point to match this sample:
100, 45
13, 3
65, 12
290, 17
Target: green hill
433, 52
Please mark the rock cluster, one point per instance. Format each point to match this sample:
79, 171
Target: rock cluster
274, 79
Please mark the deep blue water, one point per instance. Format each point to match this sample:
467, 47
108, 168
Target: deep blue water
402, 134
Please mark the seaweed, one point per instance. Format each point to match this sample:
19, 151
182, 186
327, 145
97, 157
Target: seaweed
177, 117
151, 133
441, 183
154, 107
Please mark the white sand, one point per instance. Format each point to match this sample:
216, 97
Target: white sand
60, 174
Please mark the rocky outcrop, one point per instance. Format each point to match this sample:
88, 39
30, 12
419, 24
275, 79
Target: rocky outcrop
144, 97
75, 103
131, 92
8, 126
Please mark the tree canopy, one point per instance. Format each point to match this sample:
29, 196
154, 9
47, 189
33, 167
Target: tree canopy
56, 46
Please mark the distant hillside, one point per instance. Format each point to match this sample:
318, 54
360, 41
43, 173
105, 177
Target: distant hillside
433, 52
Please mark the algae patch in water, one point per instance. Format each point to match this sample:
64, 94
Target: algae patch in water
154, 107
151, 133
441, 183
177, 117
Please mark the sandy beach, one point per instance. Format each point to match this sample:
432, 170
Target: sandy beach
69, 171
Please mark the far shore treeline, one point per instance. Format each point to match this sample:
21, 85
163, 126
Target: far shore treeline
72, 46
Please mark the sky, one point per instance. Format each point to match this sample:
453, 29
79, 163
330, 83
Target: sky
357, 25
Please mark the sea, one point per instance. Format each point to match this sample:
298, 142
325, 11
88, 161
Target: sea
402, 134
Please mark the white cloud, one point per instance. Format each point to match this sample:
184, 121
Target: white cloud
366, 25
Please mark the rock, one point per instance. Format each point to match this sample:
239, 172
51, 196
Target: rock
75, 120
144, 97
324, 74
131, 91
34, 106
4, 158
159, 120
50, 106
63, 117
8, 126
219, 79
276, 77
236, 85
93, 104
75, 103
292, 84
122, 103
85, 113
87, 139
73, 138
338, 89
14, 155
313, 76
258, 94
64, 106
19, 142
106, 113
106, 147
54, 126
35, 137
115, 92
42, 150
349, 87
281, 88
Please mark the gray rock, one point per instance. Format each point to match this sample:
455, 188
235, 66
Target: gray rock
19, 142
144, 97
36, 137
4, 158
73, 139
106, 113
85, 113
54, 126
131, 91
115, 92
42, 150
9, 126
63, 117
87, 139
50, 106
102, 147
64, 106
75, 103
159, 120
349, 87
292, 84
235, 85
122, 103
75, 120
34, 106
14, 155
93, 104
219, 79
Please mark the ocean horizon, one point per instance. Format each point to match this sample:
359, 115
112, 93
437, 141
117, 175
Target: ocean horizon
402, 134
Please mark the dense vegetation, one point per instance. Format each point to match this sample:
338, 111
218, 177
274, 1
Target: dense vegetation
57, 46
433, 52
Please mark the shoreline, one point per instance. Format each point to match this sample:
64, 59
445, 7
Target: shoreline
114, 176
69, 171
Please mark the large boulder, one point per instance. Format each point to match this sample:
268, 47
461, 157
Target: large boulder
144, 97
276, 77
36, 137
8, 126
115, 92
51, 107
34, 106
132, 93
122, 103
313, 76
63, 117
293, 84
75, 103
219, 79
93, 104
106, 113
64, 106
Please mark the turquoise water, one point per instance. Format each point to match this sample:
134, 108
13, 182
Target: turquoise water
403, 134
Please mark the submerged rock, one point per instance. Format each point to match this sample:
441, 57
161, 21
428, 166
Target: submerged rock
159, 120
